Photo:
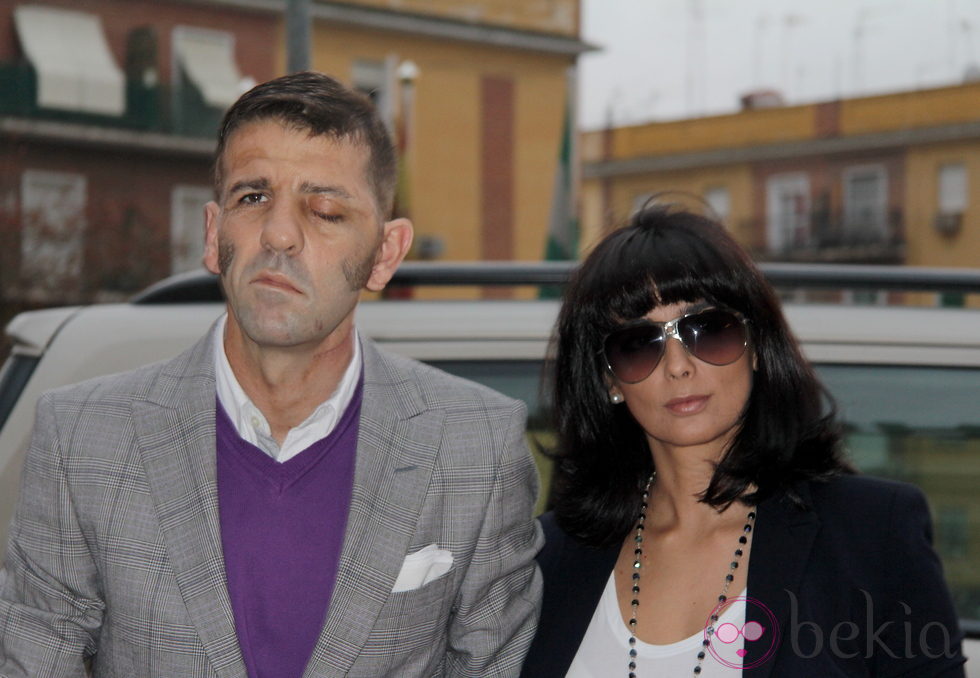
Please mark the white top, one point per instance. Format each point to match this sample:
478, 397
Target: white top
605, 648
252, 425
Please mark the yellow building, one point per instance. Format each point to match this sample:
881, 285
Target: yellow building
476, 93
883, 179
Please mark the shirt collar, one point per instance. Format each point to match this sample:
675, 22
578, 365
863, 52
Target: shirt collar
252, 426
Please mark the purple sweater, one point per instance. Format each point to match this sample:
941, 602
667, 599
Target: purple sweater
282, 529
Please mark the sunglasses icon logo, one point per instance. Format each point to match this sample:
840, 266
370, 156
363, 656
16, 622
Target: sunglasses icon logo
766, 630
729, 633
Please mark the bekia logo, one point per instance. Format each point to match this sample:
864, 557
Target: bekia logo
722, 639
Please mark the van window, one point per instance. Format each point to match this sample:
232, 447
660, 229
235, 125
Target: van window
13, 378
922, 425
916, 424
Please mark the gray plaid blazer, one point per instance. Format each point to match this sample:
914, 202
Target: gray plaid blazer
115, 559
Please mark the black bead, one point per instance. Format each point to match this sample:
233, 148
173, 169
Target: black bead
743, 540
701, 655
722, 599
632, 665
705, 643
636, 589
748, 528
697, 669
636, 575
734, 564
751, 515
714, 617
738, 552
730, 577
635, 602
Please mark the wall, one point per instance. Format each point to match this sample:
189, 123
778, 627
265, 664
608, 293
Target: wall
446, 159
549, 16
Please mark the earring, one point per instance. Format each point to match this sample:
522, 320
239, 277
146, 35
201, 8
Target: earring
616, 398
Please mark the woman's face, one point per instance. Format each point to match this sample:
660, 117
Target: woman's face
686, 402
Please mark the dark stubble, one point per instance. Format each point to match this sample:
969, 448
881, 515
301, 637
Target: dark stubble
356, 271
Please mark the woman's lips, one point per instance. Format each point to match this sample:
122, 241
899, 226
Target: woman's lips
688, 404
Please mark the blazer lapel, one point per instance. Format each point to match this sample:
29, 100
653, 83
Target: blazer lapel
175, 430
781, 545
398, 441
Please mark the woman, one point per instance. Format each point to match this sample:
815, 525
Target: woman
706, 523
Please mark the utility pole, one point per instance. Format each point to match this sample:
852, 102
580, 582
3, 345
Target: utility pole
298, 26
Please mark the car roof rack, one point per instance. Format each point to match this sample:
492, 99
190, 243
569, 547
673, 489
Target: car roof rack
201, 286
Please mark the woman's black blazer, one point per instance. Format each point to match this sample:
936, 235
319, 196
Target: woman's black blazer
848, 575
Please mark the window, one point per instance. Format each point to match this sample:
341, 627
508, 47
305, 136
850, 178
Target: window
953, 532
931, 440
787, 211
53, 219
719, 201
13, 379
187, 227
952, 188
919, 424
75, 69
865, 203
375, 78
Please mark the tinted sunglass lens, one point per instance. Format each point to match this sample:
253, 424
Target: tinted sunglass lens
633, 353
714, 336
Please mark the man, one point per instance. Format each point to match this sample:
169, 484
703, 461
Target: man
284, 499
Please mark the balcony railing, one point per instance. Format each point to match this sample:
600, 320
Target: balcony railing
178, 110
827, 236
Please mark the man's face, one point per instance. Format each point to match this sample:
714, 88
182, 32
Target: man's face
294, 235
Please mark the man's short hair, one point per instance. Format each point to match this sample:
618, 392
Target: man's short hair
320, 105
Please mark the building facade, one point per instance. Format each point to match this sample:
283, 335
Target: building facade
892, 179
476, 94
108, 110
108, 113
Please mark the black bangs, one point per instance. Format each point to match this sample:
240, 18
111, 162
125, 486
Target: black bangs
662, 257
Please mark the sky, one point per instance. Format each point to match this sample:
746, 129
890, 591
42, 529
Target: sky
669, 59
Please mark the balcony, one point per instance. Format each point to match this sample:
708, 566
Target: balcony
829, 236
174, 110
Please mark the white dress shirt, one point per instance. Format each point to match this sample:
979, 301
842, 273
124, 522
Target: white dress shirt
252, 425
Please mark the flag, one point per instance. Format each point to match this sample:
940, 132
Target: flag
563, 233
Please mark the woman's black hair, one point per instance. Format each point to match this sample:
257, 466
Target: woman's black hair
665, 255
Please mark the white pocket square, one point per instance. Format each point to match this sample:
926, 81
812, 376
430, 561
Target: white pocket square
425, 565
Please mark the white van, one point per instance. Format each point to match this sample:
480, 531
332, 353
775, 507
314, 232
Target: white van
907, 380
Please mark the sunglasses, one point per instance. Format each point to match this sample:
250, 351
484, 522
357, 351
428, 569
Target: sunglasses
718, 336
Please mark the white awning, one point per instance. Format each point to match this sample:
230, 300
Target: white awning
208, 59
75, 69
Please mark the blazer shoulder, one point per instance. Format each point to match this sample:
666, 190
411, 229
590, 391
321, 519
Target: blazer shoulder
140, 383
861, 506
862, 492
441, 390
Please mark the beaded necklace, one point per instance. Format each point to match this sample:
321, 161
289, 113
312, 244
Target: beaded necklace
638, 566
